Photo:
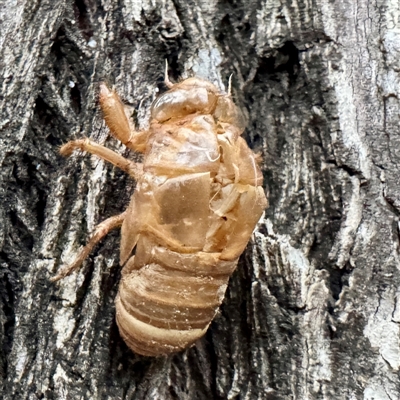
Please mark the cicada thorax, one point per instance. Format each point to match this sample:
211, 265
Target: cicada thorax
190, 218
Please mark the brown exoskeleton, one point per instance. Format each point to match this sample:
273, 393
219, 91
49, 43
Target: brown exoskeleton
197, 201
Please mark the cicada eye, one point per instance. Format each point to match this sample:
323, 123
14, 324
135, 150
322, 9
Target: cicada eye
227, 111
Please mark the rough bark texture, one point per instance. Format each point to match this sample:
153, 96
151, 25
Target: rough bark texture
313, 310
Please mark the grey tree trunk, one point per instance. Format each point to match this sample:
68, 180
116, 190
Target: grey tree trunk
313, 310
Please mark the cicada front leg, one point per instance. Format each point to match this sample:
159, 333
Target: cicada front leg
118, 123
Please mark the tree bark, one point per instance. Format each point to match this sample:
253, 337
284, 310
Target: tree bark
313, 310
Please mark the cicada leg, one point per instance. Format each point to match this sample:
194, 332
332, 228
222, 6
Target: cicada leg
118, 122
100, 231
130, 167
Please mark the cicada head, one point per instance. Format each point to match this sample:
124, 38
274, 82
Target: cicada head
193, 95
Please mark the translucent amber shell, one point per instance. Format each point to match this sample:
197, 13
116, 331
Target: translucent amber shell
191, 216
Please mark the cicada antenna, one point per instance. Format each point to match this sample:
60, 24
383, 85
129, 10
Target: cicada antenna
167, 82
230, 85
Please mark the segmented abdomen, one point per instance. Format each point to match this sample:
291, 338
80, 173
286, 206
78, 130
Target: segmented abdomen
167, 300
